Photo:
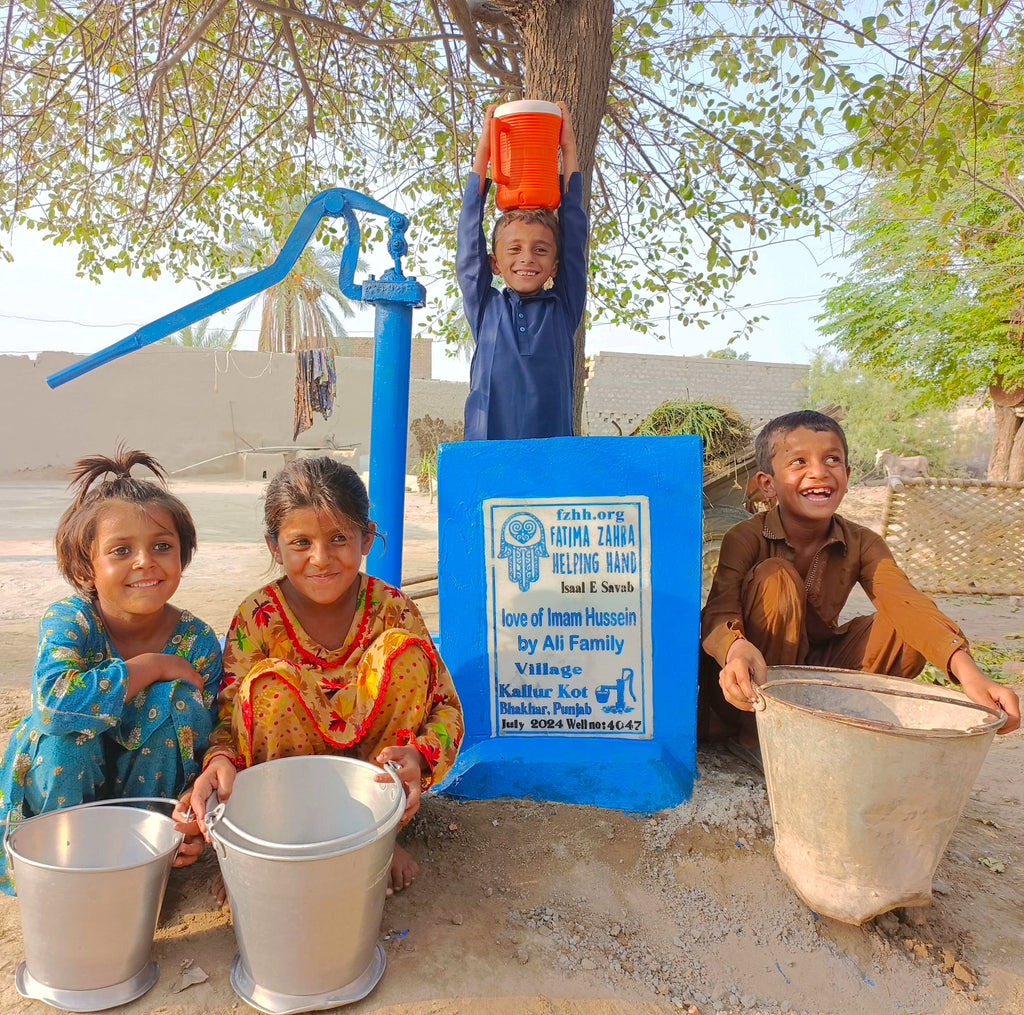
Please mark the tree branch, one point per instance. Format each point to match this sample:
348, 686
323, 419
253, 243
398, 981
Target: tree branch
336, 28
450, 63
857, 33
1005, 173
159, 70
669, 186
307, 92
460, 12
700, 128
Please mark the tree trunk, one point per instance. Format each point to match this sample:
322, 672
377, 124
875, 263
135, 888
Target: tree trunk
1005, 434
567, 54
1015, 464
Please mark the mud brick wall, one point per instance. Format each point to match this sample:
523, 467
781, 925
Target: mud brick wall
622, 388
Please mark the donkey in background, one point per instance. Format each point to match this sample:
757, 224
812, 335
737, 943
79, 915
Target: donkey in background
898, 468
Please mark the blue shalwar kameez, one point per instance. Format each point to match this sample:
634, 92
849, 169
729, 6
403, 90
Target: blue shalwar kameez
521, 377
82, 741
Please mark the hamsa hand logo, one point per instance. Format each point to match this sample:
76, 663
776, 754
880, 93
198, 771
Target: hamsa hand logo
522, 544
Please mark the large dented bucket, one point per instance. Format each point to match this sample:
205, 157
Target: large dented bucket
305, 849
867, 777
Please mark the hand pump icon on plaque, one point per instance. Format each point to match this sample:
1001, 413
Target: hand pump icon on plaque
603, 693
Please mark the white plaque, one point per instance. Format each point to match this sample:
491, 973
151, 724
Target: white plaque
569, 616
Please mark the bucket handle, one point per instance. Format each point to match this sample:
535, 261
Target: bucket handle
8, 824
216, 812
992, 711
985, 727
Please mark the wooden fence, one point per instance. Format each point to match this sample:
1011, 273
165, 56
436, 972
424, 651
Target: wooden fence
958, 536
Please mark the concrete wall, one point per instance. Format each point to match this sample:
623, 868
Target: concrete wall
623, 388
420, 354
184, 406
188, 405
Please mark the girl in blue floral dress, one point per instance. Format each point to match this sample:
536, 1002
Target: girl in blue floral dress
125, 684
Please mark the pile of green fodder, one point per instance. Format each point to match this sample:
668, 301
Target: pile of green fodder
723, 430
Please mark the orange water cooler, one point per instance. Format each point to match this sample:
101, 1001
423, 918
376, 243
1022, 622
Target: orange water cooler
524, 154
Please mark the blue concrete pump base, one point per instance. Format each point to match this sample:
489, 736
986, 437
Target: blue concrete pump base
637, 777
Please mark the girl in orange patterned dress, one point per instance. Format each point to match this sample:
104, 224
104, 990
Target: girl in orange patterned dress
328, 660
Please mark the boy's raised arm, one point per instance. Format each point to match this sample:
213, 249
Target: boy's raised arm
567, 142
472, 264
483, 147
571, 279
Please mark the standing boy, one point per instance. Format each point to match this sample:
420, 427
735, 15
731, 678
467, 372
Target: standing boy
783, 578
521, 377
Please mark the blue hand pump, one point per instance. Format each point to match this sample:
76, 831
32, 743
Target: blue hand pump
393, 296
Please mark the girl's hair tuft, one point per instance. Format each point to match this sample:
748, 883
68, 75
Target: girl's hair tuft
87, 470
97, 480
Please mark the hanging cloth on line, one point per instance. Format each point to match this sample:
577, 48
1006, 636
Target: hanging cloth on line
316, 382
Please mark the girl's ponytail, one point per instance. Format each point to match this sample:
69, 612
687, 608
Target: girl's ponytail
86, 471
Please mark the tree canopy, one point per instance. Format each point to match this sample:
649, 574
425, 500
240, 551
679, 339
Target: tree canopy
935, 298
937, 287
149, 133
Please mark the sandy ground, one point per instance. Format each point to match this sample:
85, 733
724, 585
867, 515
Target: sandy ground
528, 907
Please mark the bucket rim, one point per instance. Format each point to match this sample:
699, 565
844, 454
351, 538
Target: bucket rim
266, 849
11, 831
995, 718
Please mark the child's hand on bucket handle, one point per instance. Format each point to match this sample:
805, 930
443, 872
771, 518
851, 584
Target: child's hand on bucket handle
744, 666
983, 691
410, 767
219, 776
191, 846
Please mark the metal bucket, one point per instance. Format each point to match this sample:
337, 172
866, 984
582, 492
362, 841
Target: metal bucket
867, 777
90, 882
305, 849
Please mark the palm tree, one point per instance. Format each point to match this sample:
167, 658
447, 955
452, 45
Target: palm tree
201, 336
301, 311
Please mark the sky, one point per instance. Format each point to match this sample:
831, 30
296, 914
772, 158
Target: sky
45, 306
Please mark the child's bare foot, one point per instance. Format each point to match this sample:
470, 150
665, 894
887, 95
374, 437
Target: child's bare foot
403, 870
218, 889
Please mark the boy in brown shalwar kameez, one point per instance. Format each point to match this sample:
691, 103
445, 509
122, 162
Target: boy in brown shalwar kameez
784, 577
